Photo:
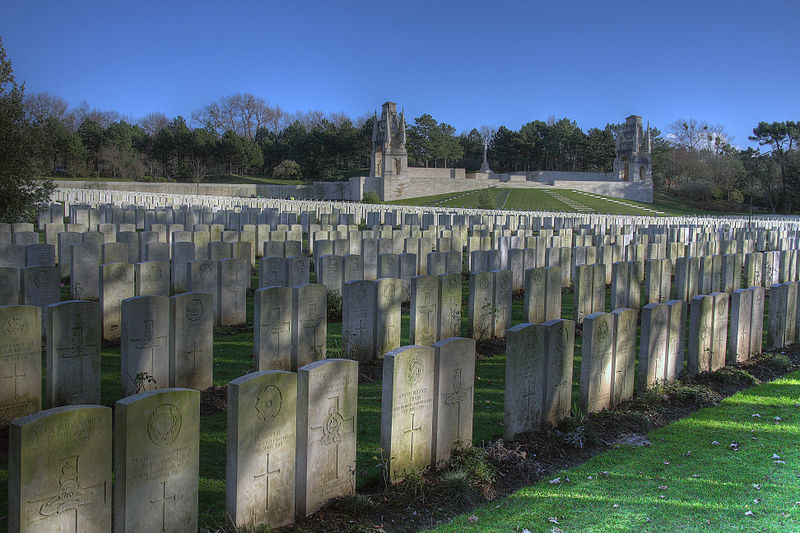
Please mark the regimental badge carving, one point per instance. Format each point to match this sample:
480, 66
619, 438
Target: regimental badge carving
332, 428
205, 272
15, 327
504, 282
3, 283
194, 310
71, 496
602, 332
154, 273
268, 403
388, 292
452, 283
484, 282
414, 371
164, 424
40, 280
561, 338
119, 274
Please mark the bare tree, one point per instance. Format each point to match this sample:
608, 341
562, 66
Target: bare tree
41, 106
152, 123
696, 134
105, 118
242, 113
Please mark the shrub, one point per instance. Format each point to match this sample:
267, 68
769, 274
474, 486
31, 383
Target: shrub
370, 197
699, 191
287, 169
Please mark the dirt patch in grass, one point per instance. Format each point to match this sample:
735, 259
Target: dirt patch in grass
490, 347
423, 501
370, 372
213, 400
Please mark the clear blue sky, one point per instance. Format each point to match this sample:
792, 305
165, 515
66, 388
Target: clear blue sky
467, 63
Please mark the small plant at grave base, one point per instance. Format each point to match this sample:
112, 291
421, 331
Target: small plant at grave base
488, 317
334, 306
575, 438
142, 380
778, 362
413, 485
355, 504
474, 462
680, 393
456, 485
733, 375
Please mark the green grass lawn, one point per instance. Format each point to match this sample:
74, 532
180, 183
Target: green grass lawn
683, 482
538, 200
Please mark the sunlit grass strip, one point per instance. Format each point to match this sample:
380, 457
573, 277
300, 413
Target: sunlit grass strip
690, 479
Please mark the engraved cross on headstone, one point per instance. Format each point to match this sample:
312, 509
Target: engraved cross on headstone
412, 430
194, 352
333, 434
149, 341
76, 352
313, 323
265, 476
457, 396
163, 501
275, 326
15, 376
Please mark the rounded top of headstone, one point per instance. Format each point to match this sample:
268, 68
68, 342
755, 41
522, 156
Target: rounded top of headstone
27, 419
155, 392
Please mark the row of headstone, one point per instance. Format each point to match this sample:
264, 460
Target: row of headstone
290, 326
427, 404
538, 383
167, 342
490, 297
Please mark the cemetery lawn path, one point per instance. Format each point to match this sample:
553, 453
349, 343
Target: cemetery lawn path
683, 482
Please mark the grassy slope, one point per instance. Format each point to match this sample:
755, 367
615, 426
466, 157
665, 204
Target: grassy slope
539, 200
666, 488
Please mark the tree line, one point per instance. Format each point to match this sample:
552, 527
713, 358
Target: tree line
245, 134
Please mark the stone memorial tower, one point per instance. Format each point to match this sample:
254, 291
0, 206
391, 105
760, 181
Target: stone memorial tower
633, 161
389, 154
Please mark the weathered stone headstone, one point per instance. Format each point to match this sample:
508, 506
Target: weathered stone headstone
260, 445
20, 361
152, 277
233, 277
559, 352
9, 286
481, 319
525, 380
358, 320
327, 396
501, 302
453, 396
719, 345
145, 344
272, 328
297, 270
757, 320
701, 334
182, 253
191, 341
309, 324
407, 410
73, 353
597, 357
40, 286
84, 271
622, 379
388, 315
59, 476
741, 316
450, 306
425, 308
157, 461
